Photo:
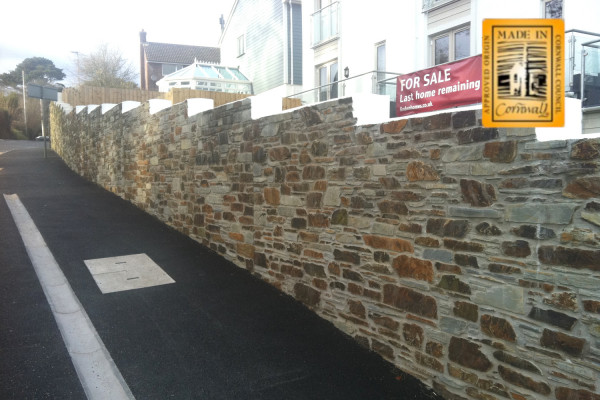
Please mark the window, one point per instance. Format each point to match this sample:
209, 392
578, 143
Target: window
241, 41
325, 20
553, 8
328, 77
451, 46
170, 68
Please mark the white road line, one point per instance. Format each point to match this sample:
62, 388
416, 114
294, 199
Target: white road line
97, 371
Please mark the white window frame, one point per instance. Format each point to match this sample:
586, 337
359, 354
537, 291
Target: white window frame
330, 91
451, 33
241, 43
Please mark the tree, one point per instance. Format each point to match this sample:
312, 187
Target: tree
106, 67
37, 70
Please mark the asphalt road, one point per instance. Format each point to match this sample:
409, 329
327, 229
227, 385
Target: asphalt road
216, 333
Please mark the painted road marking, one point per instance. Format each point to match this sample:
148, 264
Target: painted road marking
95, 368
115, 274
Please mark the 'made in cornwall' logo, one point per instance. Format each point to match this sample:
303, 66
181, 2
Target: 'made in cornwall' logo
522, 71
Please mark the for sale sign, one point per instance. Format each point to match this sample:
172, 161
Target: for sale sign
444, 86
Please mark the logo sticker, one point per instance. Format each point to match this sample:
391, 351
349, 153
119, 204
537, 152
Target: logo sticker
523, 73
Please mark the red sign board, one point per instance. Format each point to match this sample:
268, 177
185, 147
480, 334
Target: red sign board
443, 86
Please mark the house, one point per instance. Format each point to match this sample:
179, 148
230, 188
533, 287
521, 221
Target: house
263, 38
209, 77
374, 44
161, 59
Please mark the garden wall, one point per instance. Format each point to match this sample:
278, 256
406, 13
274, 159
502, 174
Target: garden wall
467, 256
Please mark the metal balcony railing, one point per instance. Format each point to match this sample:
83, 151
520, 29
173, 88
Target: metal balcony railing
326, 23
583, 60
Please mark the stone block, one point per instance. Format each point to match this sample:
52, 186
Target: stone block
552, 317
387, 243
506, 297
473, 213
518, 379
518, 248
586, 150
562, 342
419, 171
415, 268
452, 283
477, 134
453, 326
413, 335
570, 257
557, 213
446, 227
498, 328
466, 311
583, 188
477, 194
564, 393
307, 295
467, 354
438, 255
409, 300
501, 152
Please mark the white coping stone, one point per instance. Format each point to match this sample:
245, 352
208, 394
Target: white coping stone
67, 108
107, 107
92, 107
129, 105
115, 274
196, 106
79, 109
157, 105
262, 106
370, 108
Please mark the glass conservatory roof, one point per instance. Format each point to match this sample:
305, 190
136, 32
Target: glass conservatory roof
200, 71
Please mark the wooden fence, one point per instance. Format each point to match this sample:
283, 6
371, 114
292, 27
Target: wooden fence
86, 95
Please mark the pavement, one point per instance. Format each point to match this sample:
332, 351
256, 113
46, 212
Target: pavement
217, 332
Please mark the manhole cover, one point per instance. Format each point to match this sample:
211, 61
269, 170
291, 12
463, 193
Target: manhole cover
115, 274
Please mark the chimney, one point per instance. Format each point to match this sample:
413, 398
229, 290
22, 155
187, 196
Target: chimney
142, 36
222, 22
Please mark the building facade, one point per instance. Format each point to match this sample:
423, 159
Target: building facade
263, 38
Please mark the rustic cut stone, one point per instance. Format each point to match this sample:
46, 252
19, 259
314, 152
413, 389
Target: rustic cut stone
313, 172
466, 311
564, 393
413, 335
313, 199
534, 232
410, 267
386, 243
357, 308
457, 245
562, 342
501, 152
553, 318
465, 260
394, 126
463, 119
435, 349
339, 217
477, 134
503, 269
452, 283
386, 322
591, 306
585, 150
583, 188
477, 194
318, 149
307, 295
516, 362
318, 220
272, 196
523, 381
467, 354
570, 257
392, 207
384, 350
419, 171
314, 270
488, 230
447, 227
497, 327
346, 256
429, 362
280, 154
409, 300
519, 248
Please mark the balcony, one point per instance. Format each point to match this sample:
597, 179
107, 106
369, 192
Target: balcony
326, 24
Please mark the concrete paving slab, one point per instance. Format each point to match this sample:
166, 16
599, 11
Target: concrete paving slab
136, 271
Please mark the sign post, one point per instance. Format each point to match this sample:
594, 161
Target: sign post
42, 93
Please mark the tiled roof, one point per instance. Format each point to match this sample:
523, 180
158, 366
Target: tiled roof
180, 53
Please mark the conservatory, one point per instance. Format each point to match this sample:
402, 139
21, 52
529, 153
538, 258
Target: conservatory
209, 77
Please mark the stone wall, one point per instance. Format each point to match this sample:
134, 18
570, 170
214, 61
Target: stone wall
467, 256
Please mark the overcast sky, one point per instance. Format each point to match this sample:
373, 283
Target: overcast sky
54, 29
